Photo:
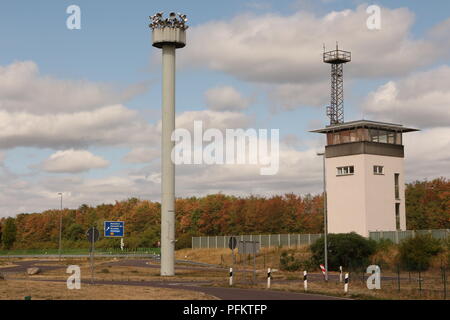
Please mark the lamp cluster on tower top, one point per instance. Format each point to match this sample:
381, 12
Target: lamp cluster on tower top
175, 20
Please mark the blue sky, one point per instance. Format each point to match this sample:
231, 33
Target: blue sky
113, 51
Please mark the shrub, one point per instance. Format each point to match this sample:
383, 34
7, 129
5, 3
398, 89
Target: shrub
386, 255
348, 250
290, 262
183, 241
415, 254
75, 232
9, 233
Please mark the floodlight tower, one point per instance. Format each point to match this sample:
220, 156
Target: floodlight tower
337, 58
168, 34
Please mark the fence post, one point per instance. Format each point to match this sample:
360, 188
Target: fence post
270, 240
289, 240
192, 243
444, 279
309, 238
420, 282
268, 278
346, 283
279, 240
396, 237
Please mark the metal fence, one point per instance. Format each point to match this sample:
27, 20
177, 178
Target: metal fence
292, 240
269, 240
398, 236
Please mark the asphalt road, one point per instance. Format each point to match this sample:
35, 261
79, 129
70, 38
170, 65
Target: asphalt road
227, 293
22, 266
198, 286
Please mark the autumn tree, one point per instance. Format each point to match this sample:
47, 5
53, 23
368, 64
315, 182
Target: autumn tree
9, 233
428, 204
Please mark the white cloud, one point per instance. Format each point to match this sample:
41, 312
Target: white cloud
421, 99
110, 125
142, 155
225, 98
293, 95
212, 119
73, 161
427, 154
23, 89
273, 48
258, 5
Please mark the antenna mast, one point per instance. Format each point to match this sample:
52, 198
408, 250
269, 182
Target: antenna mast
337, 58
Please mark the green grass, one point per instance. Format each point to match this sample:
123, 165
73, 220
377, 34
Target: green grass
78, 251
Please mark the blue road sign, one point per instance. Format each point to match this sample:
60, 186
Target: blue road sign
114, 229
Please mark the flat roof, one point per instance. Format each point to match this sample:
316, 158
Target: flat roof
365, 124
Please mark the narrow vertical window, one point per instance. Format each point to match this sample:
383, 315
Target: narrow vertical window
397, 216
397, 189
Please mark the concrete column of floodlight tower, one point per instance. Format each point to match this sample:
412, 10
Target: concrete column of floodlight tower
168, 38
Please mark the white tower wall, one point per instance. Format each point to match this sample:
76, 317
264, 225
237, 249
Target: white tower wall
363, 201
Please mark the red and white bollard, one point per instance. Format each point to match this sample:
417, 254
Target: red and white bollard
322, 267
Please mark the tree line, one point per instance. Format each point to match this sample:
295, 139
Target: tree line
427, 207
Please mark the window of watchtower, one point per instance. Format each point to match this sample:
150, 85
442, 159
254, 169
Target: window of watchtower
347, 136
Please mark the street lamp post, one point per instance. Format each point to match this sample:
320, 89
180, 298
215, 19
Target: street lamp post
325, 220
168, 34
60, 225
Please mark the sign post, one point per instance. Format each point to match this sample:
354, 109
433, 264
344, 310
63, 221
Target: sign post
92, 236
247, 247
114, 229
232, 243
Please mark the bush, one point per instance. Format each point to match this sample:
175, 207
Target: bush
290, 262
415, 254
348, 250
9, 233
386, 255
183, 241
75, 232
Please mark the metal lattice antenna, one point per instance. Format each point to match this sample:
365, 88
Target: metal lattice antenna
337, 58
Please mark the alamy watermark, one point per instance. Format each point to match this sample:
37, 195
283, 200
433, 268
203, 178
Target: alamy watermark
236, 146
74, 280
73, 22
374, 20
374, 280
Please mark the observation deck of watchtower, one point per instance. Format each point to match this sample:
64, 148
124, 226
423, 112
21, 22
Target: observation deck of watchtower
337, 56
